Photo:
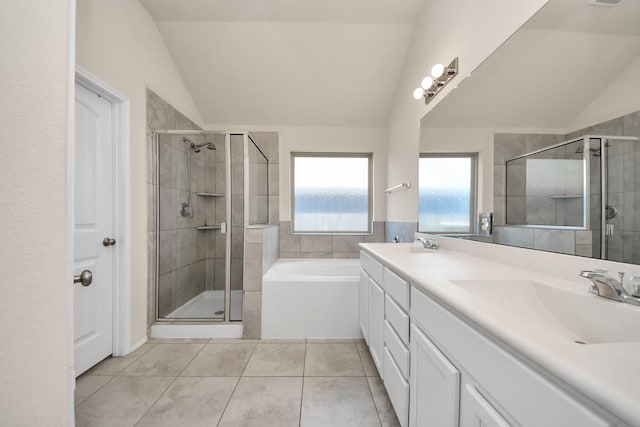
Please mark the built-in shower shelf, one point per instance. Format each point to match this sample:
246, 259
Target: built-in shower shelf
208, 227
210, 194
567, 196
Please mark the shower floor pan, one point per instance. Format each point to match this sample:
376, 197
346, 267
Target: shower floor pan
208, 305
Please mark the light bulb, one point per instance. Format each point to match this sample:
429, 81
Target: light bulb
418, 93
437, 71
427, 82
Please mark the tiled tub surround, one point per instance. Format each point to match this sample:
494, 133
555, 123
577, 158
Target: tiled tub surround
261, 248
624, 193
460, 276
325, 246
260, 383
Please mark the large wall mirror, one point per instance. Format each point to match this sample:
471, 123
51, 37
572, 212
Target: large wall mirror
554, 117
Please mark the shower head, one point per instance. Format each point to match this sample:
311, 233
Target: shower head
208, 145
196, 147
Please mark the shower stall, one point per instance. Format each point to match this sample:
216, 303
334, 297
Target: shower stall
587, 183
210, 187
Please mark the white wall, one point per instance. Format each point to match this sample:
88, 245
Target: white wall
445, 29
118, 41
619, 98
34, 252
333, 139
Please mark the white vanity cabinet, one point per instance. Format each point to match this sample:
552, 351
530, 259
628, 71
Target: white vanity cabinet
372, 308
376, 325
384, 321
477, 411
435, 385
522, 396
364, 304
440, 370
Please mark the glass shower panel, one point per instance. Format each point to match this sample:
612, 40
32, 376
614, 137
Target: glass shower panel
188, 193
618, 231
236, 226
547, 187
258, 185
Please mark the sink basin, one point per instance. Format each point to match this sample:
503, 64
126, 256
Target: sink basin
583, 318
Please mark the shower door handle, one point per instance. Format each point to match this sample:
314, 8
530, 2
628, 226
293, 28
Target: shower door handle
609, 230
85, 278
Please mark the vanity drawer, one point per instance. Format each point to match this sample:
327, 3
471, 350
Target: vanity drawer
372, 267
397, 349
397, 388
397, 287
397, 318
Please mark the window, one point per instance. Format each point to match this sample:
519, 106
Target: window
447, 191
331, 193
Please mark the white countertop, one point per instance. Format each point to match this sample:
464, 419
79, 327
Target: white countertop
604, 372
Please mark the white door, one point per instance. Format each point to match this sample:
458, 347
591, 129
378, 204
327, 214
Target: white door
93, 222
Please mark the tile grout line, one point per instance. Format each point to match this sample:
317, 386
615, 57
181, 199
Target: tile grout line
169, 385
75, 407
304, 366
369, 386
237, 383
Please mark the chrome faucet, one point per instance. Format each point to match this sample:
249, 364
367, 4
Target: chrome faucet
428, 243
607, 287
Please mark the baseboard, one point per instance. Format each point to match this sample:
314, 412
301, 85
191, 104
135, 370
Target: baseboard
133, 347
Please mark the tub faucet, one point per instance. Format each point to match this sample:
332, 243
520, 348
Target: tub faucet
607, 287
427, 243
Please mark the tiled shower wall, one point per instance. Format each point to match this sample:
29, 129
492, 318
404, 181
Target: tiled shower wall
624, 193
161, 115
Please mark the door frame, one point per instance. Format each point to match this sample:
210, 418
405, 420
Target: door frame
121, 106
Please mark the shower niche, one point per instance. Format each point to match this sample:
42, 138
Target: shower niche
211, 186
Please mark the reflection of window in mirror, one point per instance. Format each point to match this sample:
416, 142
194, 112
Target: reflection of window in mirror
447, 191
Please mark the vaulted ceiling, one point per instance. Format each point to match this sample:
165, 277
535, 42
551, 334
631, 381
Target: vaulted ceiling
289, 62
550, 71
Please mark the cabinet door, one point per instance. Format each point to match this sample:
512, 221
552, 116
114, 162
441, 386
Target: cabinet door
376, 324
364, 305
475, 411
434, 385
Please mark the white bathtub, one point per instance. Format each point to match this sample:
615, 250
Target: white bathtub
311, 299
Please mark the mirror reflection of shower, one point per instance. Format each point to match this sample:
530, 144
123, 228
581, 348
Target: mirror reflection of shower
561, 187
186, 208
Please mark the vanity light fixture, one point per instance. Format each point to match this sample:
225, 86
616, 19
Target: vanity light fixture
440, 76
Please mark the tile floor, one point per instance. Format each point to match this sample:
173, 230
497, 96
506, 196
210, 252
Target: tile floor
236, 383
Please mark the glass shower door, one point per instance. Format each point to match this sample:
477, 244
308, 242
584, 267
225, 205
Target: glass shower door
615, 195
191, 206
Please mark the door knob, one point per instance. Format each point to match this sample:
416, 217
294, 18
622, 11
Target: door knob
85, 278
108, 242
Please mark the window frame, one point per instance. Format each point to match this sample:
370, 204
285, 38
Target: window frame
473, 205
365, 155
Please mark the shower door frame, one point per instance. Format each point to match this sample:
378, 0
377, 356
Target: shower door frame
604, 185
228, 201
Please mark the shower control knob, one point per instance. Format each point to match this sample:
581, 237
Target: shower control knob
108, 242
